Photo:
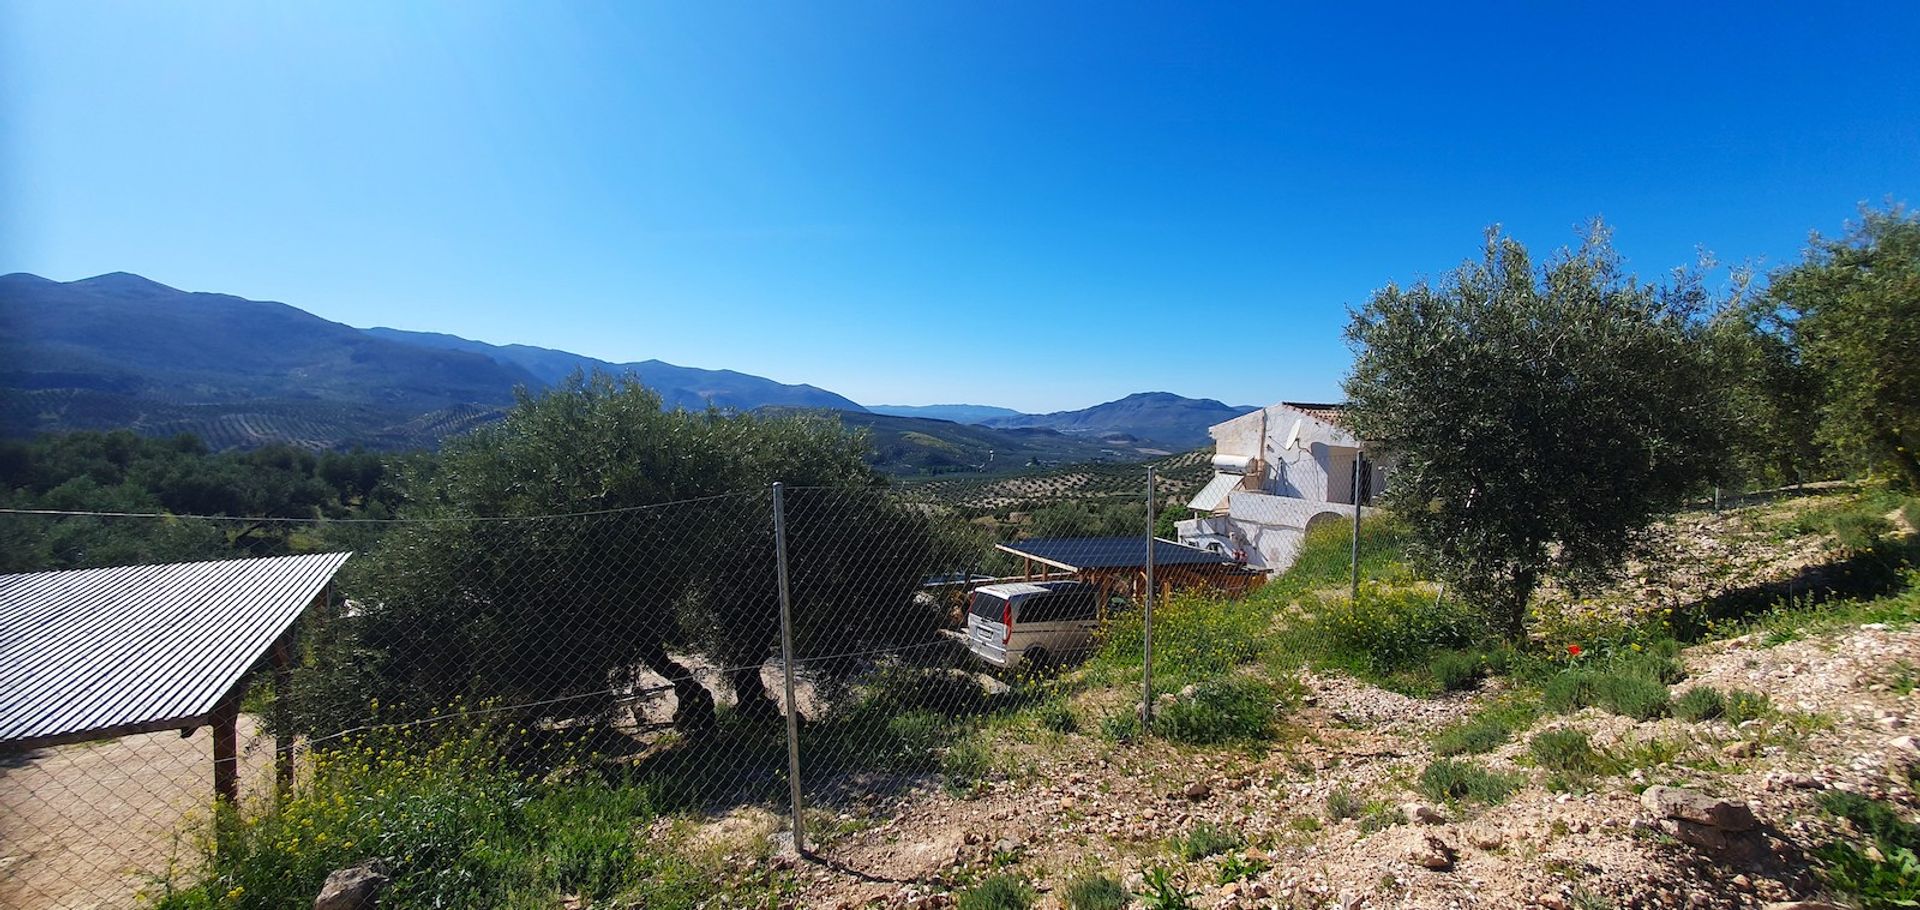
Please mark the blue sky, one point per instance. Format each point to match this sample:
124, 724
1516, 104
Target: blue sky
1040, 206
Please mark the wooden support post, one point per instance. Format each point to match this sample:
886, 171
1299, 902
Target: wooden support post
226, 752
282, 717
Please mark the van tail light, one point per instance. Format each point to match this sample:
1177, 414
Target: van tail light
1006, 620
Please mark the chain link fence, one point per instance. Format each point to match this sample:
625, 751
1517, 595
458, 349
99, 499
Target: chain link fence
491, 707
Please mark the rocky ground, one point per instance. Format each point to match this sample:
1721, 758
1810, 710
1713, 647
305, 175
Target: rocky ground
1845, 707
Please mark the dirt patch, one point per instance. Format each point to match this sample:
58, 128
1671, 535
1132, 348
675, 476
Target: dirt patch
89, 825
1077, 801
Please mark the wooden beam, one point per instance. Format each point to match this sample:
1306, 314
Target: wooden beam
283, 716
226, 752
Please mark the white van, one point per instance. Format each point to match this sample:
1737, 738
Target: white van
1033, 624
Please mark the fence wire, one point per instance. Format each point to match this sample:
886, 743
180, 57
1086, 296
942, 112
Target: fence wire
614, 668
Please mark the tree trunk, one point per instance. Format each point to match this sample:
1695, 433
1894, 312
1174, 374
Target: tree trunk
695, 713
1903, 457
757, 701
1519, 592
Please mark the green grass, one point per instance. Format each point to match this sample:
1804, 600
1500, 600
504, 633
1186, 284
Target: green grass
997, 892
1454, 781
1096, 891
1387, 632
1057, 715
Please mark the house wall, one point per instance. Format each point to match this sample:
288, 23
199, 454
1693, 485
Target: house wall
1299, 485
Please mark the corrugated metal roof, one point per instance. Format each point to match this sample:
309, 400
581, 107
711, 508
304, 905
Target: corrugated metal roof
1074, 553
129, 648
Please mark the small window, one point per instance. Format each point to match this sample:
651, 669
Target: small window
1072, 605
988, 606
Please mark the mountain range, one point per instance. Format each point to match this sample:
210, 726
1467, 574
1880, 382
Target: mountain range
119, 351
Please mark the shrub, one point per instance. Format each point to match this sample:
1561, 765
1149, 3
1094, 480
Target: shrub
1743, 706
1196, 636
1700, 703
1384, 631
1342, 804
1485, 731
997, 892
965, 763
1096, 891
1451, 780
1204, 840
1457, 670
1121, 727
1164, 893
1886, 872
1239, 708
454, 824
1632, 691
1058, 716
1566, 751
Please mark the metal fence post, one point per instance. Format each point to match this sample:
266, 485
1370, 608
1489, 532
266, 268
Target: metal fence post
1359, 464
1146, 624
787, 665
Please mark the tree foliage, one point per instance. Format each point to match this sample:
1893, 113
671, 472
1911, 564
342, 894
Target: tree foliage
122, 472
1538, 419
681, 558
1852, 306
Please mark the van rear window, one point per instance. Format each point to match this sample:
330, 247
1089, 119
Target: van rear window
987, 606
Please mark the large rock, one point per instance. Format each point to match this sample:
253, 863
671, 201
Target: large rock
1433, 853
1698, 808
352, 888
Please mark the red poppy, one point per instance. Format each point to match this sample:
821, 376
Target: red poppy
1573, 650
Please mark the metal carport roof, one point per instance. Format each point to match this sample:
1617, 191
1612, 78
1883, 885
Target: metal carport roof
1076, 553
96, 653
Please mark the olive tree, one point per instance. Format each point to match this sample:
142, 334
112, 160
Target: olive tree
673, 555
1853, 307
1539, 418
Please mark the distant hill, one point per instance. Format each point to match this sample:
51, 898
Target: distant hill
119, 351
918, 446
1147, 419
688, 387
958, 413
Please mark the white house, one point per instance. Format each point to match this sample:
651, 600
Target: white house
1278, 471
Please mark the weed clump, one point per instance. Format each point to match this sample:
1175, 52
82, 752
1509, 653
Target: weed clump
1343, 804
997, 892
1568, 752
1206, 839
1635, 689
1882, 873
1388, 630
1096, 891
1486, 731
1700, 703
1451, 780
1457, 671
1239, 708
